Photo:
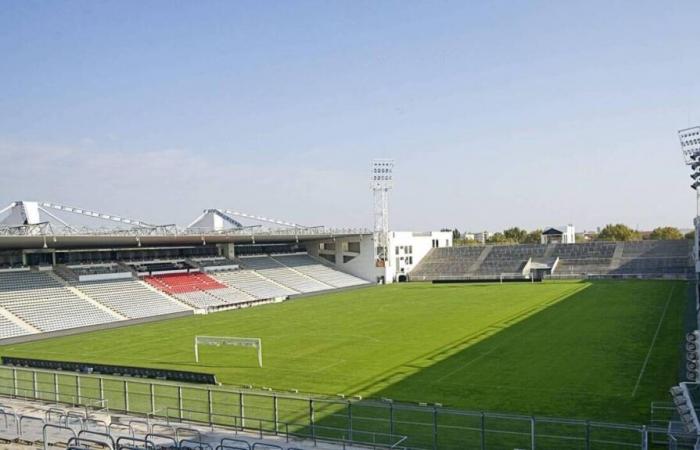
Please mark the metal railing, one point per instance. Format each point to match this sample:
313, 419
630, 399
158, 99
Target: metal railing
361, 422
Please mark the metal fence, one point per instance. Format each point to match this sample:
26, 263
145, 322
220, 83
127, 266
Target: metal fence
382, 424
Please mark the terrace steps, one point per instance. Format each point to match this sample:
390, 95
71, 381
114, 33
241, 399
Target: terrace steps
482, 257
82, 295
18, 321
97, 304
301, 273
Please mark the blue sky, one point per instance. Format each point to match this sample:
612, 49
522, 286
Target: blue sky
497, 113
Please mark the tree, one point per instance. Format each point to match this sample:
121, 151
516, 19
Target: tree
515, 234
498, 238
456, 234
618, 232
660, 233
690, 235
533, 237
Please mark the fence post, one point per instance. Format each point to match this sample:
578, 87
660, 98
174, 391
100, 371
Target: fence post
588, 435
152, 389
391, 418
210, 407
14, 381
532, 433
55, 387
275, 412
311, 420
179, 402
241, 409
102, 390
126, 396
350, 420
645, 438
435, 428
77, 387
483, 431
34, 384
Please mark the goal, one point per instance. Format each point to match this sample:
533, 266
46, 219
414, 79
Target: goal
218, 341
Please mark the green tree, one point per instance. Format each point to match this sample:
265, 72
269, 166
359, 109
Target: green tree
515, 234
618, 232
533, 237
456, 234
499, 238
690, 235
660, 233
465, 241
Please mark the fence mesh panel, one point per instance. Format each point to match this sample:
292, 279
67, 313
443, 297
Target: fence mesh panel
379, 423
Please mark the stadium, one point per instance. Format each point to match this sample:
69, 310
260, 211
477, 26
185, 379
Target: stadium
349, 225
120, 332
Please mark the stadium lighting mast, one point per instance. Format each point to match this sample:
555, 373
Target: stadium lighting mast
690, 146
381, 182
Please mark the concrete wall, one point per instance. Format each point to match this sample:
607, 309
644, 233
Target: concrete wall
361, 264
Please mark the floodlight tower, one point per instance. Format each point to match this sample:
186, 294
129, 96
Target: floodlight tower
381, 181
690, 146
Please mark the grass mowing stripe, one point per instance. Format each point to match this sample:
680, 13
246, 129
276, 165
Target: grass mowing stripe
653, 341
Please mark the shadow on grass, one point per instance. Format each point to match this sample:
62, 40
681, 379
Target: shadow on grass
591, 355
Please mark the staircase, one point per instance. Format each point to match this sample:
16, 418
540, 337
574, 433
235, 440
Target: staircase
616, 260
484, 254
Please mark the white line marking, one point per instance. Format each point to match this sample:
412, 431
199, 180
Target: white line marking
653, 341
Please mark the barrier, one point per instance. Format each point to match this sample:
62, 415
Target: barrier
346, 421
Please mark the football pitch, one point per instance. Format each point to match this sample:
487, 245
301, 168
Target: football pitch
600, 350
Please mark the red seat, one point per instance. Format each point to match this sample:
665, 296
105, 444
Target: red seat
180, 283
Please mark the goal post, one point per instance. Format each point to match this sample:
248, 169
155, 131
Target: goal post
218, 341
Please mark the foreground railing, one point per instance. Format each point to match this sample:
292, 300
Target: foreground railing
360, 422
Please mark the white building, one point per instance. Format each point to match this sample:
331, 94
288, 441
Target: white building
407, 248
563, 235
355, 254
482, 236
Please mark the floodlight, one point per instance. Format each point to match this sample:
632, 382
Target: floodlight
690, 142
684, 406
692, 357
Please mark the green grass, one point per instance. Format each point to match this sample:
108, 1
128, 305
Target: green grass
568, 349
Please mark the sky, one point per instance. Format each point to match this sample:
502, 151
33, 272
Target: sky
498, 113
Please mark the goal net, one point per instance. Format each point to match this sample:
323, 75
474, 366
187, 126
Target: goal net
218, 341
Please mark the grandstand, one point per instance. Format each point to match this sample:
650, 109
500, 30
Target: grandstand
33, 301
130, 298
642, 259
57, 277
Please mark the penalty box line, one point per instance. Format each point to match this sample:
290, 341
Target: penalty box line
653, 341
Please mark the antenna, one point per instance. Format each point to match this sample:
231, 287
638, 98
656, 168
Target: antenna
381, 181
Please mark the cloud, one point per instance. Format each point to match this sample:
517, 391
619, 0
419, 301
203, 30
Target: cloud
174, 185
